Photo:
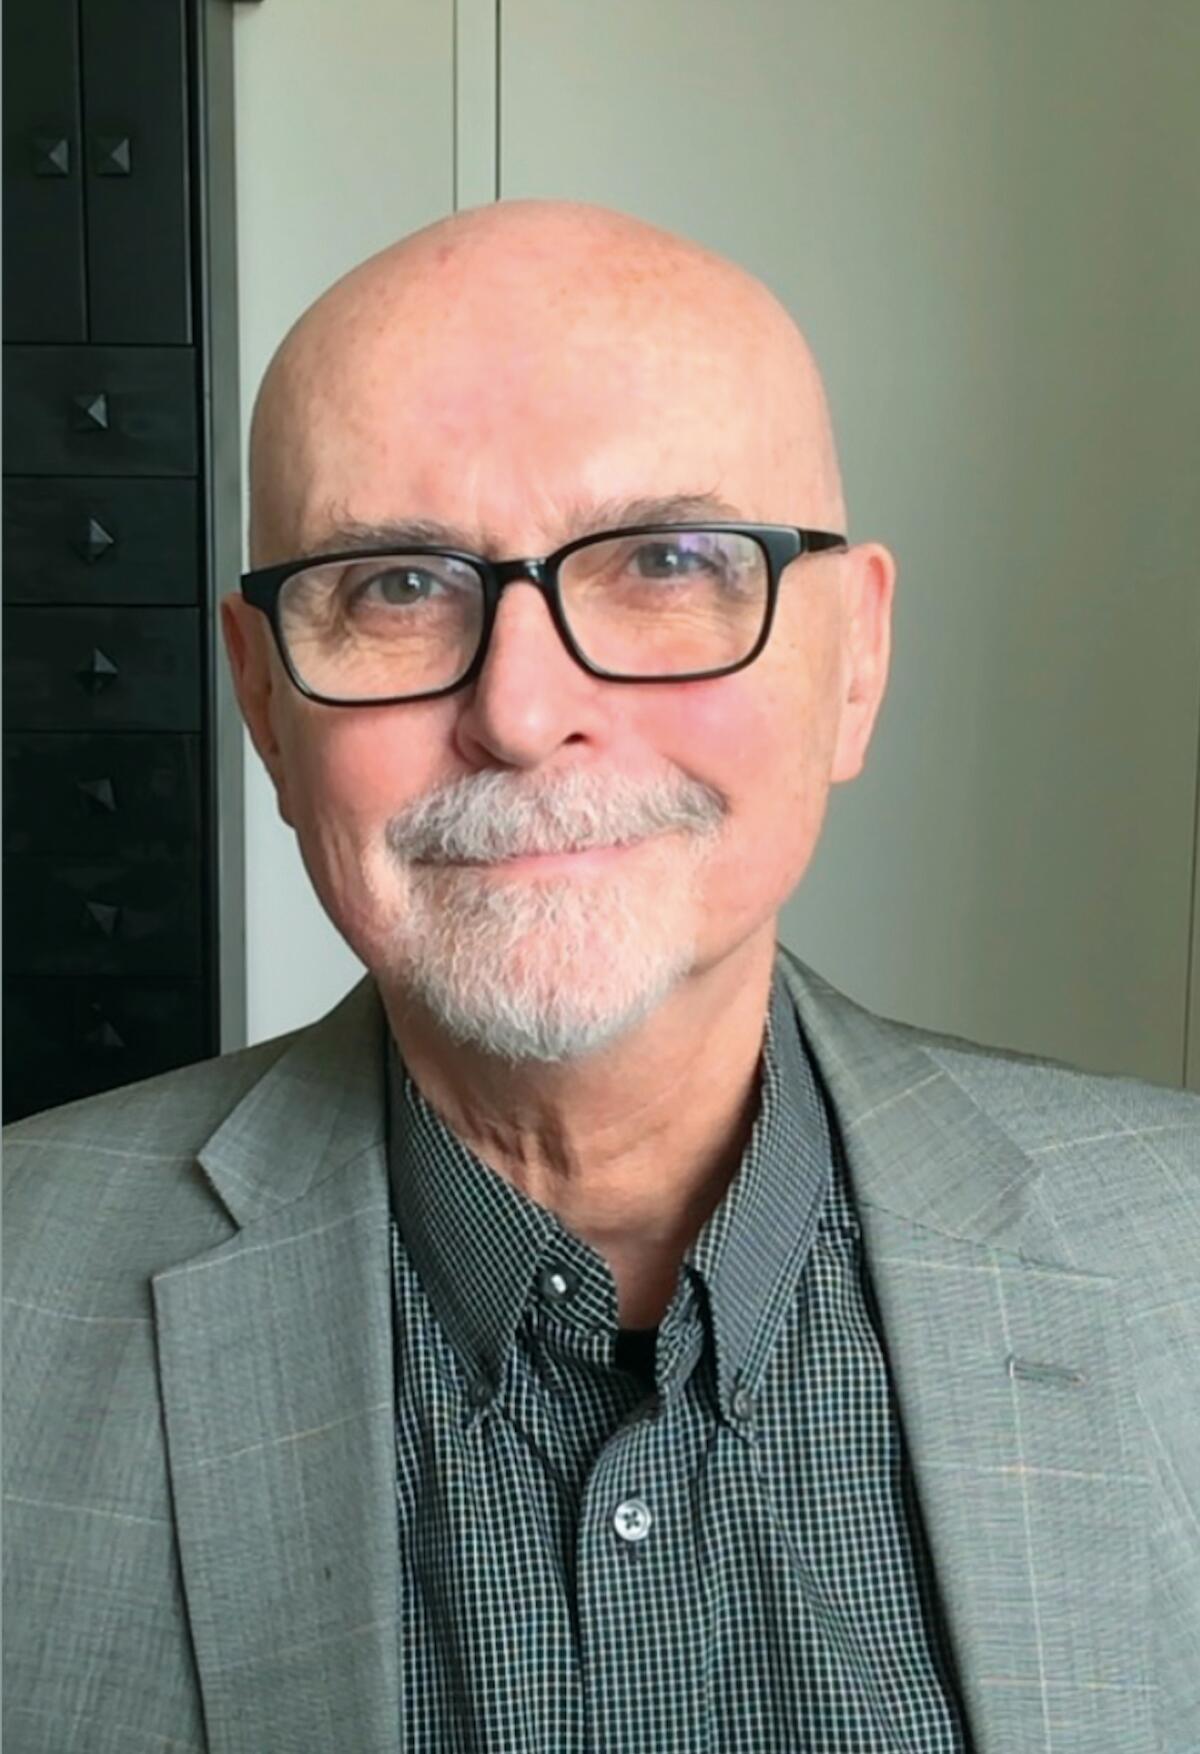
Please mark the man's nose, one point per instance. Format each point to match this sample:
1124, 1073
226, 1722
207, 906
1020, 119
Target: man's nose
525, 618
531, 694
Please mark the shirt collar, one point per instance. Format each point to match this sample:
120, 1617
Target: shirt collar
481, 1248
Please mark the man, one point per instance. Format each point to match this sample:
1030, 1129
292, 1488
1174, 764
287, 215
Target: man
598, 1333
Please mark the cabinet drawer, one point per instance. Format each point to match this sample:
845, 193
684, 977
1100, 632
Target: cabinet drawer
100, 411
96, 669
119, 794
102, 916
138, 256
97, 541
44, 287
65, 1039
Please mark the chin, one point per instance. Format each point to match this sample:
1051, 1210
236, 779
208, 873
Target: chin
545, 971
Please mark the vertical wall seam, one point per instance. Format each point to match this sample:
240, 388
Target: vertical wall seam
455, 193
81, 170
496, 65
1191, 1004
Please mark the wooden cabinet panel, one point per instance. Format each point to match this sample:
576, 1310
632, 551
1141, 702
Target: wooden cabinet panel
98, 541
44, 289
103, 916
66, 1038
124, 950
138, 256
100, 411
102, 669
103, 794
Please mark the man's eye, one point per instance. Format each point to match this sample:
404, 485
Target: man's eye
667, 560
397, 587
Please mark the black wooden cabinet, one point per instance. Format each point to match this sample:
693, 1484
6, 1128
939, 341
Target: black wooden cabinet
100, 411
123, 952
45, 296
98, 220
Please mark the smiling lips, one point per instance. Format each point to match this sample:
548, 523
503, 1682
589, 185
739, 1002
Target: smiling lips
567, 860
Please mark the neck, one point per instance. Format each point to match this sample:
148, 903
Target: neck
632, 1147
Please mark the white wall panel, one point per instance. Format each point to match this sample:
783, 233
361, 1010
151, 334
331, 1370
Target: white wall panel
345, 140
984, 216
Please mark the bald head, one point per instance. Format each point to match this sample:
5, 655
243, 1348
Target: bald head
505, 382
524, 331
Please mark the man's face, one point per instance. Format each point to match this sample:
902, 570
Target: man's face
519, 434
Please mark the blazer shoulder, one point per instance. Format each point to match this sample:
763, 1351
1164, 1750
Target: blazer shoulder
102, 1193
1037, 1095
171, 1112
1119, 1156
63, 1158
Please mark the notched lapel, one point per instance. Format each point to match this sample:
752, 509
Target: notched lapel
1014, 1379
275, 1359
1033, 1489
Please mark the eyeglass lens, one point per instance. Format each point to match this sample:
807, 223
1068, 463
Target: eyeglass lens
661, 603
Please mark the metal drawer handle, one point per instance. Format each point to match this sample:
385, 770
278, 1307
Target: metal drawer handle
100, 794
103, 1035
89, 412
98, 673
103, 916
92, 540
51, 155
112, 155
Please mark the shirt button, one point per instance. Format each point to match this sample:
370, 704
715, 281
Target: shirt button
556, 1284
632, 1520
743, 1405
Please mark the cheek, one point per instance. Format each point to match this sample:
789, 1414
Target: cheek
758, 740
368, 760
346, 776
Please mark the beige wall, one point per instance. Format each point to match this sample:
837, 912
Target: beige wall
344, 118
985, 217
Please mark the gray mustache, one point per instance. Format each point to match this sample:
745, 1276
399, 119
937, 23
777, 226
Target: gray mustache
484, 817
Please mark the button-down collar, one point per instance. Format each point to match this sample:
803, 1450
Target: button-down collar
483, 1250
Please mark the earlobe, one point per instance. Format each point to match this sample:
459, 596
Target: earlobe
249, 663
866, 654
872, 625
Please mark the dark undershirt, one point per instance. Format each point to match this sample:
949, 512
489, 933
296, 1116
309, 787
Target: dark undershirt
635, 1353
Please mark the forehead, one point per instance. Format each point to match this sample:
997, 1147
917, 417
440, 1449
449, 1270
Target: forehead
512, 418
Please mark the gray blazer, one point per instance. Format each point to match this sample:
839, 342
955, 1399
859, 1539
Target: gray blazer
200, 1519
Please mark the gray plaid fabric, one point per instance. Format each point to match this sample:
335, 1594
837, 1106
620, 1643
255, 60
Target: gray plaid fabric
201, 1527
731, 1562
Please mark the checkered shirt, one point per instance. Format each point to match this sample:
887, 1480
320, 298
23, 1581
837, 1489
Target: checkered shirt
704, 1543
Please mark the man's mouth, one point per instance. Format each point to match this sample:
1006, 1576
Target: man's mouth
576, 859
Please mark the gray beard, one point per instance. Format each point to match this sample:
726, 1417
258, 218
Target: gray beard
548, 968
545, 970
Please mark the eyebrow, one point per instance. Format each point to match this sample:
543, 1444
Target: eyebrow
611, 514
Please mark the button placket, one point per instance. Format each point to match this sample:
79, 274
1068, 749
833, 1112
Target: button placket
743, 1406
557, 1283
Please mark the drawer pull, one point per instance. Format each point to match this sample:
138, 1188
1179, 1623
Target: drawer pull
103, 916
98, 673
90, 412
100, 794
103, 1035
51, 155
93, 540
111, 155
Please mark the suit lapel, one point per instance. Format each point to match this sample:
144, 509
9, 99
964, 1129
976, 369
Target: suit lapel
275, 1356
1012, 1371
1013, 1374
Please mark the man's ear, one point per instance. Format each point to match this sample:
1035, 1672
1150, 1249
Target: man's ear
247, 643
870, 581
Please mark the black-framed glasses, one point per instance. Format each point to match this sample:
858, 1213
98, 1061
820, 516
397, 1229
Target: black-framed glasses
644, 603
